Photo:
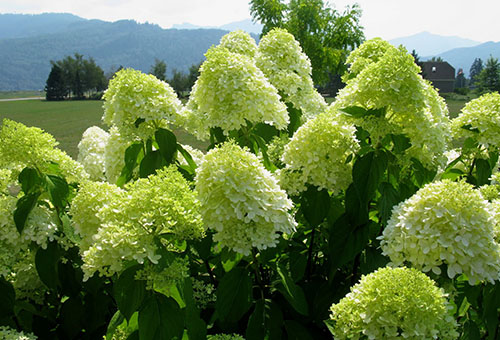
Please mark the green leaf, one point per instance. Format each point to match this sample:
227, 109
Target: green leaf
134, 335
131, 157
30, 180
187, 157
422, 174
229, 259
160, 319
139, 121
315, 205
196, 327
297, 331
483, 171
167, 144
46, 263
128, 292
367, 174
234, 295
452, 174
295, 119
204, 246
115, 321
471, 331
469, 127
256, 328
292, 292
58, 190
150, 163
7, 298
298, 263
401, 143
24, 206
389, 197
490, 311
266, 131
72, 317
265, 322
360, 112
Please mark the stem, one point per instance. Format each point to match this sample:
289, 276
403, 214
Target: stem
310, 253
257, 273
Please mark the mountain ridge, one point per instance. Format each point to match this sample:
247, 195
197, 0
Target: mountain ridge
426, 43
26, 60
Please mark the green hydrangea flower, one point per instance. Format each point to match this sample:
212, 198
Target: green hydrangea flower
369, 52
130, 219
239, 42
22, 146
91, 150
317, 155
85, 208
7, 333
114, 153
17, 259
137, 103
5, 180
288, 68
230, 92
413, 107
393, 303
482, 115
445, 223
241, 200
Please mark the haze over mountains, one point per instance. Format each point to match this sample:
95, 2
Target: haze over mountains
458, 52
29, 42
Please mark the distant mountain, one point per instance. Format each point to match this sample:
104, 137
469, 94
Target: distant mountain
29, 25
25, 57
246, 25
464, 57
426, 43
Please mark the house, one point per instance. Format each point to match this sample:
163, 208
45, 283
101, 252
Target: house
440, 74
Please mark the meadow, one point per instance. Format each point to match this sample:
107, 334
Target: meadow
67, 120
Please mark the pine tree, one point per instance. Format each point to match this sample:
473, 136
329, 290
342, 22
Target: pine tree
55, 88
475, 70
489, 78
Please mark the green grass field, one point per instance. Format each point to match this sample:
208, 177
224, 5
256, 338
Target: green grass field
67, 120
21, 94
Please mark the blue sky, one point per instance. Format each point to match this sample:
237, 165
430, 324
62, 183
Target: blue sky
476, 20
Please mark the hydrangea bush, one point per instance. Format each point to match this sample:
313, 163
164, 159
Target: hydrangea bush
296, 222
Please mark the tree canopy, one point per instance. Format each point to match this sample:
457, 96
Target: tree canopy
75, 76
489, 78
326, 35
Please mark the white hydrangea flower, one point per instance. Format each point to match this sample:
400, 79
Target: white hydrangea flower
394, 303
24, 146
445, 223
288, 68
91, 150
7, 333
130, 219
137, 103
114, 153
239, 42
317, 155
241, 200
483, 115
230, 92
389, 80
